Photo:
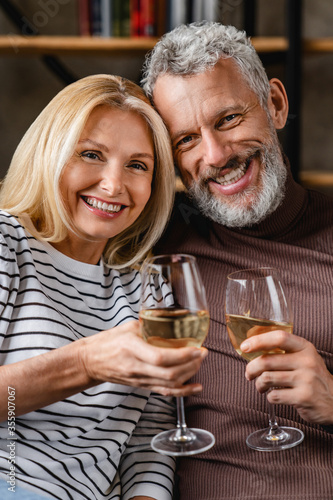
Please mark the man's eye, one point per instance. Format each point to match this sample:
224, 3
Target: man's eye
185, 140
229, 118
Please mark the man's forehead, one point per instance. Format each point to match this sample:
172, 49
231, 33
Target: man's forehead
202, 96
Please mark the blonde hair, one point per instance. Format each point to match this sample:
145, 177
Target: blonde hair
31, 185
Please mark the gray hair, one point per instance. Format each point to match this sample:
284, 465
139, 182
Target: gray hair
193, 48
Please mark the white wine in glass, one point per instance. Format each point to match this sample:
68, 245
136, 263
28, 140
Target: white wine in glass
174, 314
256, 304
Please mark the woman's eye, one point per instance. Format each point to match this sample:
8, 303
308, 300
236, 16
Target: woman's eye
91, 155
138, 166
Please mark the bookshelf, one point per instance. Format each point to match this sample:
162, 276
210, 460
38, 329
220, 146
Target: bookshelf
270, 48
62, 45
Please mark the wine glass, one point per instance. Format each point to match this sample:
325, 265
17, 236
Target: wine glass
174, 314
255, 304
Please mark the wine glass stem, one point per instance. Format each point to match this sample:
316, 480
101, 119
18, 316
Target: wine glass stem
275, 433
183, 434
273, 425
181, 423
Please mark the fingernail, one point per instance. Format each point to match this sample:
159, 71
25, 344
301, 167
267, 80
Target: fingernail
245, 346
197, 389
204, 352
197, 353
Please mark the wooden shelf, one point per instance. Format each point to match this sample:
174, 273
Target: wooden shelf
36, 45
314, 45
320, 179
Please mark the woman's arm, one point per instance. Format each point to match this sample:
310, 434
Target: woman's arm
144, 472
118, 356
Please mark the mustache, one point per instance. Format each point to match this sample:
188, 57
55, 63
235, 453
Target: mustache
238, 160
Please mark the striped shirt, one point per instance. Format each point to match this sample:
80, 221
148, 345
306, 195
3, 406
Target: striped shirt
95, 444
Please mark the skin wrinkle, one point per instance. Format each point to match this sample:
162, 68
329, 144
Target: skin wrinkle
273, 177
217, 124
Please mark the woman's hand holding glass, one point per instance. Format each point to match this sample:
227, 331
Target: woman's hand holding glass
174, 315
120, 355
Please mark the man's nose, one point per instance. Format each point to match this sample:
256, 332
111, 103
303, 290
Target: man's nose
216, 150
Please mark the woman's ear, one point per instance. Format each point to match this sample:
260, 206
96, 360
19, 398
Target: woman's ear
278, 106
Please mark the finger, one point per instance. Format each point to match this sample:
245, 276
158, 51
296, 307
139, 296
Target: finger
173, 376
270, 363
186, 390
161, 356
279, 339
275, 379
279, 395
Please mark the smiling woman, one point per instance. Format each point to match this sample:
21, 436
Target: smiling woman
54, 141
87, 194
107, 182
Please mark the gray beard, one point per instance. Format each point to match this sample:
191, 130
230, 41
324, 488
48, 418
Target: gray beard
268, 197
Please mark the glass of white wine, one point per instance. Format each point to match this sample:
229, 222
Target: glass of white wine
255, 304
174, 314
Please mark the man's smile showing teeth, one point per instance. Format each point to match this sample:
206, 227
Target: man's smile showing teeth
103, 206
232, 176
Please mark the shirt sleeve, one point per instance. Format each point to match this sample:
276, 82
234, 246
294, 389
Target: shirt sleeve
143, 471
9, 283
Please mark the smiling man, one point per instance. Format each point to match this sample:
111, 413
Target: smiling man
242, 209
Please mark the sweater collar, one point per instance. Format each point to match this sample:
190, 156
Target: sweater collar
284, 217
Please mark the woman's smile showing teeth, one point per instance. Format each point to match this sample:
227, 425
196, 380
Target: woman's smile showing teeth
107, 182
102, 206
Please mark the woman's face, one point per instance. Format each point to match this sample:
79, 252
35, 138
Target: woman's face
107, 182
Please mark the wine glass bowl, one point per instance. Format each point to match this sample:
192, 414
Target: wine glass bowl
256, 303
174, 314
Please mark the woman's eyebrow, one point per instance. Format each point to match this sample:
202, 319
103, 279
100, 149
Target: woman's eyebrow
142, 155
98, 145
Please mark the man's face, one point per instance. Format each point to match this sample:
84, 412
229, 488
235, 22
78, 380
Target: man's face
224, 143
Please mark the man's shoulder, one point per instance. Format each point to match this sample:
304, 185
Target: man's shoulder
186, 223
320, 206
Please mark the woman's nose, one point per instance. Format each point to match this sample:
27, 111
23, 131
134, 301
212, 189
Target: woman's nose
113, 179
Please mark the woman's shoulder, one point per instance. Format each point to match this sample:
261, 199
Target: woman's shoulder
11, 228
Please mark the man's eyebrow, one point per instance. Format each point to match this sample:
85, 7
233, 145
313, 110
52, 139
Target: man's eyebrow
180, 133
225, 111
98, 145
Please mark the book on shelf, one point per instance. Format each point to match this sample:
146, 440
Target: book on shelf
84, 17
106, 18
120, 18
141, 18
96, 17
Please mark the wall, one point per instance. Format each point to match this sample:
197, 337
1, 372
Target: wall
26, 86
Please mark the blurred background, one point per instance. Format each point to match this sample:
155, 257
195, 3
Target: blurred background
28, 82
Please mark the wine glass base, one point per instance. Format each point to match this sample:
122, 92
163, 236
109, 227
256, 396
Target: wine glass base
169, 442
263, 440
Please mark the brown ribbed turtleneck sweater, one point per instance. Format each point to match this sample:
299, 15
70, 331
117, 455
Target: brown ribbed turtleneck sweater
298, 240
